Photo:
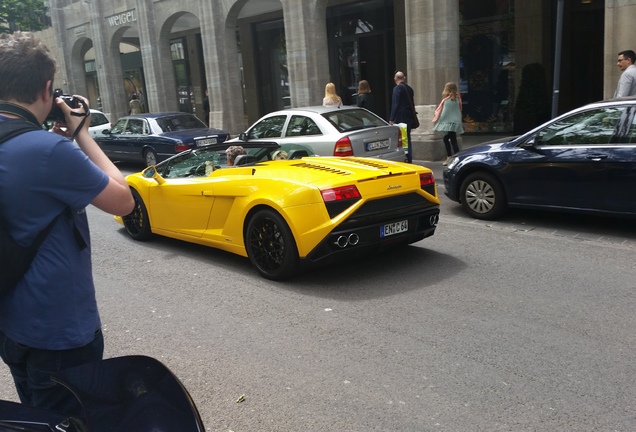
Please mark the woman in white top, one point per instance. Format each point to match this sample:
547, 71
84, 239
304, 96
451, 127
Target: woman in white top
331, 97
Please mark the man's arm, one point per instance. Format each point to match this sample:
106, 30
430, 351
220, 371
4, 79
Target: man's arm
395, 100
624, 85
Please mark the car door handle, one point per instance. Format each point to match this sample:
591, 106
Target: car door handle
596, 157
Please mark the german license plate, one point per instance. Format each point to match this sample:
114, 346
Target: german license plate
377, 145
207, 141
394, 228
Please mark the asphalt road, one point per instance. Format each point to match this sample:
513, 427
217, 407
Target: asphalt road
526, 324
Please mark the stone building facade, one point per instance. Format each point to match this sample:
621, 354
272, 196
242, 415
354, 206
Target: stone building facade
256, 56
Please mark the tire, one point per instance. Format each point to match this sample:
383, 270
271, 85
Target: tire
482, 196
137, 223
150, 157
271, 246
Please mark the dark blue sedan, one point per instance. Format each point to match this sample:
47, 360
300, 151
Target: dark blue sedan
151, 138
583, 161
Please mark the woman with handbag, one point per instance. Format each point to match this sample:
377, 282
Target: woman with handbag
448, 118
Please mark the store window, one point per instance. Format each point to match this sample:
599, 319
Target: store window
361, 47
185, 94
487, 62
271, 64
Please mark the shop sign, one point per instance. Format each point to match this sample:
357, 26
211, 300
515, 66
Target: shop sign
122, 18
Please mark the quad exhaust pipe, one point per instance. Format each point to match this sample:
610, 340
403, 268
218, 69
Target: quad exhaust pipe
348, 240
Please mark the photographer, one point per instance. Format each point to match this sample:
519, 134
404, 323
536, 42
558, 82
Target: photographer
49, 321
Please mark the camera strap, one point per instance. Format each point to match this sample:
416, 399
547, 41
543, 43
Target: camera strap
87, 112
23, 113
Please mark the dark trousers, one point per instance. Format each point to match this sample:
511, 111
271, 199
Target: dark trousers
31, 369
450, 139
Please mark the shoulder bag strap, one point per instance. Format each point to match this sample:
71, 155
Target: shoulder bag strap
408, 96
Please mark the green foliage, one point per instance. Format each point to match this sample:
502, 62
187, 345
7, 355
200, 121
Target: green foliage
24, 15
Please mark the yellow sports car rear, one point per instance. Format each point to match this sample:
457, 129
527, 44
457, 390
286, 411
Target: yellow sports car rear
283, 214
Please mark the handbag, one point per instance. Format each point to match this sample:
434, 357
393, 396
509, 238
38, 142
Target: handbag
416, 122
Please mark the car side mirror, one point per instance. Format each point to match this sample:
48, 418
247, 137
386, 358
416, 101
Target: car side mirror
151, 172
531, 143
106, 132
243, 136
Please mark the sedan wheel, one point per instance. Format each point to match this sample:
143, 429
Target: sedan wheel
270, 245
482, 196
137, 223
150, 157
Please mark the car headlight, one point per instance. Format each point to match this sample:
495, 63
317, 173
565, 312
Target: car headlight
453, 162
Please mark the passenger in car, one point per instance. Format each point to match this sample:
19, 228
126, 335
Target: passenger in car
279, 155
232, 152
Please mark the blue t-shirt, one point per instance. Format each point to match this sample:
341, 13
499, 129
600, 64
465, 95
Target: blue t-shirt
53, 306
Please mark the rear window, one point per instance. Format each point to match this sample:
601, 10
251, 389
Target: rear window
179, 122
98, 119
350, 120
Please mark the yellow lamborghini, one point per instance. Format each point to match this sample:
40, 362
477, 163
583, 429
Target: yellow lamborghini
283, 214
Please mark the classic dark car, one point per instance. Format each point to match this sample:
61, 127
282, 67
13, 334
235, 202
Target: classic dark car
151, 138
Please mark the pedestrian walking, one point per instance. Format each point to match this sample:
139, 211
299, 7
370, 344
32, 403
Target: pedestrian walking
627, 82
331, 98
403, 109
448, 118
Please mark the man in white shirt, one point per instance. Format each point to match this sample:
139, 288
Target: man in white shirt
627, 82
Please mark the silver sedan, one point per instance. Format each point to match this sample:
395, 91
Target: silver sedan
331, 131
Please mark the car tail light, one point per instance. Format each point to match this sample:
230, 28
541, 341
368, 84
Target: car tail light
427, 183
340, 194
400, 143
343, 147
179, 147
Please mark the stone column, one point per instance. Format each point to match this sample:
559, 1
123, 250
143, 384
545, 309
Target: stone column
619, 23
307, 50
222, 68
159, 75
107, 63
432, 46
59, 24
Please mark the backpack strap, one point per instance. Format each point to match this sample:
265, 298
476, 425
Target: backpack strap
11, 128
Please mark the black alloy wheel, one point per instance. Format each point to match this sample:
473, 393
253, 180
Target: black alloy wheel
270, 245
482, 196
137, 223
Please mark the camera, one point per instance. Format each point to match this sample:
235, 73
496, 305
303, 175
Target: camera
56, 113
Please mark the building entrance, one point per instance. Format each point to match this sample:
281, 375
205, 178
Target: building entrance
271, 64
360, 46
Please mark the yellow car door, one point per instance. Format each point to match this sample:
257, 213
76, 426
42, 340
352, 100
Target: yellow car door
181, 205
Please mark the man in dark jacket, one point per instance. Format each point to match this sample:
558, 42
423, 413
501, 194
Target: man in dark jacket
403, 108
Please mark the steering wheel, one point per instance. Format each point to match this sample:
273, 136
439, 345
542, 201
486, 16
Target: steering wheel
196, 171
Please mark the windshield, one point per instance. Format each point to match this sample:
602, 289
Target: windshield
350, 120
203, 161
